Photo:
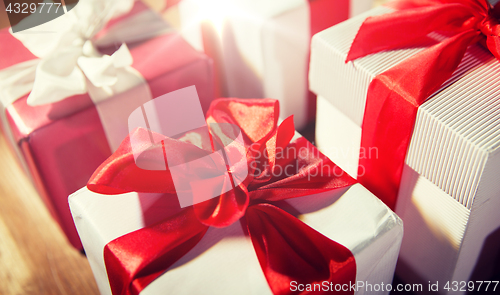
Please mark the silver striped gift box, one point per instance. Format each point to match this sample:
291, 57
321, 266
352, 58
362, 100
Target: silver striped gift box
450, 192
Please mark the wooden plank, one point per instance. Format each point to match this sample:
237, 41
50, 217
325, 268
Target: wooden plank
35, 257
4, 20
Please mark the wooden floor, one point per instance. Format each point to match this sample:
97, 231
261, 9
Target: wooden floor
35, 257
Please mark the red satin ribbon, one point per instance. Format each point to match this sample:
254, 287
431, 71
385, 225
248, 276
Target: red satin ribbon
394, 96
287, 249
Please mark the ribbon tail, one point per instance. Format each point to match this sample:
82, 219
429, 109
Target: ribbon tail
406, 28
288, 250
391, 109
493, 44
134, 260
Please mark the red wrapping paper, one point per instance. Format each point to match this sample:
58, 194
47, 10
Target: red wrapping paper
64, 142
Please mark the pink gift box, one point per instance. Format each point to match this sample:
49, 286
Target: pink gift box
63, 143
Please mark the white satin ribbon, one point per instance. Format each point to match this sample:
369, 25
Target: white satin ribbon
16, 81
77, 69
68, 62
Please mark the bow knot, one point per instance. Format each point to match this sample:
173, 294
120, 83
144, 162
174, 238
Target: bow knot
69, 63
489, 26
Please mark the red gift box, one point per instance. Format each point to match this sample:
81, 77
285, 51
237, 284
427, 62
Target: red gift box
261, 48
62, 143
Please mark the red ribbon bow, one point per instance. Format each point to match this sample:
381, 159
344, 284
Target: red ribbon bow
394, 96
287, 249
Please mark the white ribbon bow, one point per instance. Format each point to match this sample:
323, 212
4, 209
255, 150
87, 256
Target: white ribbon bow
68, 62
67, 72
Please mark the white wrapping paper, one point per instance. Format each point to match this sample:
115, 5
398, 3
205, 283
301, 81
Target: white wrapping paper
264, 46
452, 160
69, 64
224, 262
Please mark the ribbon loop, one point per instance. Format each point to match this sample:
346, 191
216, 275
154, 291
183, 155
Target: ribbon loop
401, 29
136, 264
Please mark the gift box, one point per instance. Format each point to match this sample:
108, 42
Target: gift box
223, 250
261, 48
70, 125
447, 192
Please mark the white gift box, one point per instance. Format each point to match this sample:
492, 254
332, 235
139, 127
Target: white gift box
450, 194
224, 261
264, 46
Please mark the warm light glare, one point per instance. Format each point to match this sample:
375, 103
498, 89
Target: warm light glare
216, 12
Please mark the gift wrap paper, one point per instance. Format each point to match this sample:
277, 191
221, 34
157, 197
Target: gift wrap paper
264, 45
224, 261
62, 143
449, 189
